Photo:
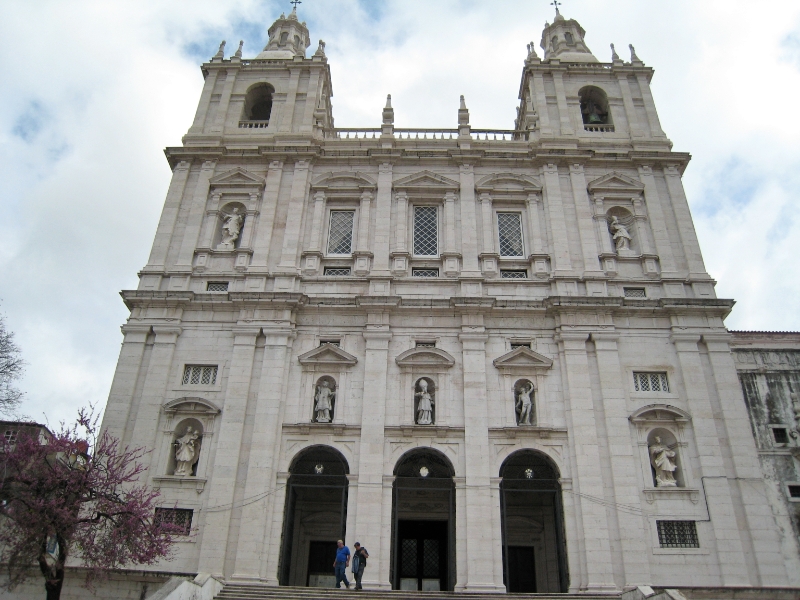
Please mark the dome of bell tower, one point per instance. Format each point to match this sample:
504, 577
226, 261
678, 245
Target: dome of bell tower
288, 37
564, 40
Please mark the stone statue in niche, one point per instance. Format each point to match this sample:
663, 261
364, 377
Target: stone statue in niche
620, 235
524, 404
795, 398
186, 452
231, 227
323, 402
425, 404
663, 461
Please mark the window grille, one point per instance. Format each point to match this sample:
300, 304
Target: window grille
794, 491
650, 382
336, 271
513, 274
424, 272
179, 517
337, 343
11, 436
677, 534
425, 344
426, 234
217, 286
780, 435
340, 236
509, 226
515, 345
199, 375
634, 292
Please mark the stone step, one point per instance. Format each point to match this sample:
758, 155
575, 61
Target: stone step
263, 592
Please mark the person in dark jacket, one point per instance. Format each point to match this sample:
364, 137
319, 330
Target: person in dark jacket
360, 556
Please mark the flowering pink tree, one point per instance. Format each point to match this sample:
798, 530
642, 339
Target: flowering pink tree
72, 493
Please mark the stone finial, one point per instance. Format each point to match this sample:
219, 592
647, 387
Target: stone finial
463, 119
388, 101
321, 49
463, 104
614, 55
238, 53
634, 58
221, 52
532, 51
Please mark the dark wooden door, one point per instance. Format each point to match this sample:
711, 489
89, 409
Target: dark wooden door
423, 552
320, 558
522, 570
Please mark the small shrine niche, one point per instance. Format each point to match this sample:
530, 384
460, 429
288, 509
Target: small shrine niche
187, 440
324, 399
621, 229
524, 402
424, 401
229, 229
662, 447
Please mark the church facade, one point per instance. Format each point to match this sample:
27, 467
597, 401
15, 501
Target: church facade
494, 358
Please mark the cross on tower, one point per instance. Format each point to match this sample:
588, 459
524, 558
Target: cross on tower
556, 3
295, 3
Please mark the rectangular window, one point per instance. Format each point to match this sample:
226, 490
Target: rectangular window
634, 292
677, 534
424, 272
199, 375
179, 517
515, 345
10, 436
780, 435
332, 342
426, 231
336, 272
509, 227
340, 235
425, 344
794, 491
513, 274
650, 382
217, 286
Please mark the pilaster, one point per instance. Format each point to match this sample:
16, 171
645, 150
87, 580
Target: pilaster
291, 237
583, 209
287, 113
116, 417
650, 106
169, 214
537, 92
561, 100
383, 214
222, 108
658, 223
266, 223
691, 246
205, 101
469, 225
195, 219
630, 110
558, 223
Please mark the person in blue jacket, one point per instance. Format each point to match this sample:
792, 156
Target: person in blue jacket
341, 563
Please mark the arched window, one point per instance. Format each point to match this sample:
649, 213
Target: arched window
284, 37
594, 106
554, 41
258, 102
568, 37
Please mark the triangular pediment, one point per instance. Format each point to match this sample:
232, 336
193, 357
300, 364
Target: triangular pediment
615, 182
343, 181
508, 183
426, 179
327, 354
425, 357
522, 358
237, 177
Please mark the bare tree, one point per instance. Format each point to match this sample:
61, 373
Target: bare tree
11, 368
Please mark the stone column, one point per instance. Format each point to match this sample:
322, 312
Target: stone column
469, 225
561, 99
224, 101
362, 243
166, 225
583, 209
371, 489
383, 216
155, 387
691, 247
266, 219
316, 224
649, 106
588, 478
760, 540
205, 101
223, 480
123, 386
634, 548
488, 223
291, 99
449, 223
537, 92
630, 110
195, 219
258, 549
655, 210
479, 529
723, 525
291, 236
558, 223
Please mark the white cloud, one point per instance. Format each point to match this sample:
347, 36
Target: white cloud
93, 91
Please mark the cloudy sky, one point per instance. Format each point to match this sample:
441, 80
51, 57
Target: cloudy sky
93, 91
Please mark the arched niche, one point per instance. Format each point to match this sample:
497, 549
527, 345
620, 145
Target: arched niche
230, 224
315, 515
325, 391
423, 547
424, 401
431, 364
525, 402
522, 364
534, 547
594, 106
187, 442
258, 102
621, 228
662, 447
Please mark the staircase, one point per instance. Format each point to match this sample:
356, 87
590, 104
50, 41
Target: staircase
263, 592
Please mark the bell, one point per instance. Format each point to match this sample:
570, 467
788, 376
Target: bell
594, 118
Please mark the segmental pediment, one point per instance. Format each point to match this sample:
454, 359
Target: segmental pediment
660, 412
431, 358
192, 405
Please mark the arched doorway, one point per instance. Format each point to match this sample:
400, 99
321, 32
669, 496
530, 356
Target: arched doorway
314, 517
534, 553
423, 522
